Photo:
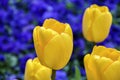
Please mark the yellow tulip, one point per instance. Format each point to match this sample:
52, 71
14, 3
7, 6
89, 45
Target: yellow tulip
96, 23
35, 71
102, 64
53, 43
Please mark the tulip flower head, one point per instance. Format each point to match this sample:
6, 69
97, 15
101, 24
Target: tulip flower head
53, 43
35, 71
102, 64
96, 23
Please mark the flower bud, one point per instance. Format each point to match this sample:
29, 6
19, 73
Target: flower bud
102, 64
96, 23
53, 43
35, 71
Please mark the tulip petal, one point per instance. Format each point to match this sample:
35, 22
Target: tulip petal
101, 8
88, 19
37, 42
35, 71
37, 65
101, 64
36, 36
113, 71
28, 69
101, 27
41, 37
94, 6
104, 9
54, 25
93, 26
119, 58
68, 30
106, 52
89, 73
87, 24
97, 50
91, 69
58, 51
102, 51
114, 55
95, 66
43, 73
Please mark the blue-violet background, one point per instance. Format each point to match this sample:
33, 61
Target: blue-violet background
18, 19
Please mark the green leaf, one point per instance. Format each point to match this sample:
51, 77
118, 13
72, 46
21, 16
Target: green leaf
11, 60
77, 73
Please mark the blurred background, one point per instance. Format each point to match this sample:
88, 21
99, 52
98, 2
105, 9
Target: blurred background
19, 17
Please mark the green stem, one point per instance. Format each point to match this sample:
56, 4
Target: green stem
94, 43
53, 74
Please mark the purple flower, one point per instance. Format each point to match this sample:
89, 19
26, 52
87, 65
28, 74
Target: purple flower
11, 77
110, 45
24, 59
2, 58
82, 70
3, 3
61, 75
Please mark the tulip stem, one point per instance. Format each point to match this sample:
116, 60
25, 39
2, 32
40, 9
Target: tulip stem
53, 74
94, 44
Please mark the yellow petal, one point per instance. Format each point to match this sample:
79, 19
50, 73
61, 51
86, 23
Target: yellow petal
89, 74
37, 42
114, 55
94, 13
101, 64
113, 71
43, 73
57, 56
95, 66
119, 58
54, 25
28, 69
41, 37
102, 51
68, 30
101, 8
86, 24
36, 65
94, 6
91, 69
101, 27
104, 9
36, 36
106, 52
97, 50
96, 23
36, 60
88, 21
35, 71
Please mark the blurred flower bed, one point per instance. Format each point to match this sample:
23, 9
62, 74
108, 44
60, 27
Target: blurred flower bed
19, 17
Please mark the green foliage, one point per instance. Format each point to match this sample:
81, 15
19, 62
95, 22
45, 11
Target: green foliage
11, 60
77, 73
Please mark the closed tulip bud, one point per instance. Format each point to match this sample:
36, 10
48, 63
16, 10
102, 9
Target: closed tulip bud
35, 71
96, 23
102, 64
53, 43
